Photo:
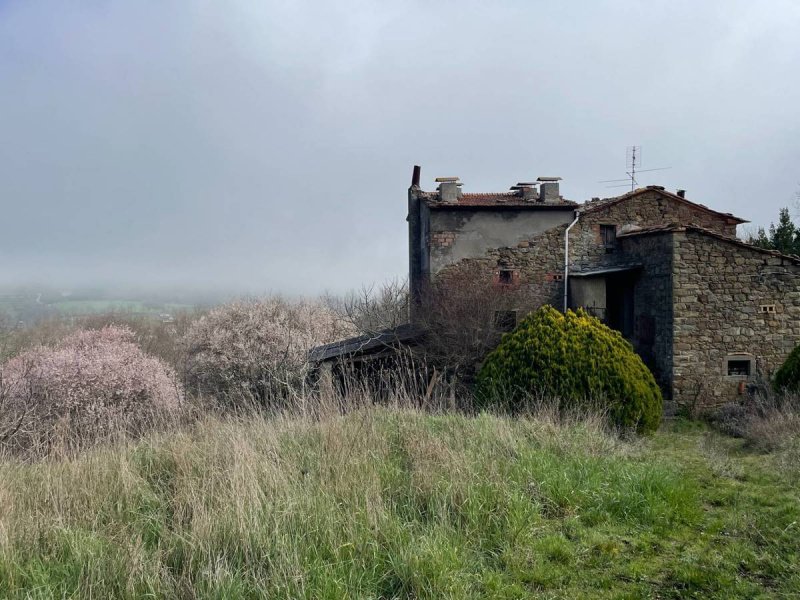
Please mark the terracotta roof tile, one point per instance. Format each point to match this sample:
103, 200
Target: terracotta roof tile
494, 200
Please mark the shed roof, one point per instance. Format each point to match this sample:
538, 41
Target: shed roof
677, 228
605, 271
364, 344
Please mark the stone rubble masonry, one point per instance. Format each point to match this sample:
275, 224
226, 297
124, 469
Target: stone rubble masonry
719, 289
697, 299
540, 259
648, 209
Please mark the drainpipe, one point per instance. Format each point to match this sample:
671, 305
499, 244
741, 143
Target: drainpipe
566, 258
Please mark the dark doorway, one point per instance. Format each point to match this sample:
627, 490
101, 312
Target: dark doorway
619, 302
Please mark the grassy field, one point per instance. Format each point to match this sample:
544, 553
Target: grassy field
399, 504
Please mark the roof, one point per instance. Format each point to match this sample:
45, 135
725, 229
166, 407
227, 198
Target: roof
364, 344
497, 200
594, 205
605, 271
676, 228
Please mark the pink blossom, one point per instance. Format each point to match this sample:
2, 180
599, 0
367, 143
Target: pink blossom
89, 384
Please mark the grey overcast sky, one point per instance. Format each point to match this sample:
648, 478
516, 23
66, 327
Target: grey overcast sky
268, 146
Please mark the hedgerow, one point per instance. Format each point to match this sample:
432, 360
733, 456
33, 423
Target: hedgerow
575, 358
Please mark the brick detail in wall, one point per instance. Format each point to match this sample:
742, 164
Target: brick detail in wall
442, 239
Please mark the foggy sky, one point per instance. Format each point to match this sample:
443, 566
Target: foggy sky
268, 146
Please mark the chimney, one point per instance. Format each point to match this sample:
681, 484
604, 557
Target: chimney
449, 189
682, 193
415, 176
527, 190
548, 191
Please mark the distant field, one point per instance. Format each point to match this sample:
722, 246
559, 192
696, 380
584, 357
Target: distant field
30, 307
82, 307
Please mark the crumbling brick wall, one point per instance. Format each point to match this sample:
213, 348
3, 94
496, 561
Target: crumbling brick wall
536, 265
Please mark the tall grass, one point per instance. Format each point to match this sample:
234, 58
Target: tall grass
377, 503
768, 422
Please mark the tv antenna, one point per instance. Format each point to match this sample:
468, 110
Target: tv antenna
633, 163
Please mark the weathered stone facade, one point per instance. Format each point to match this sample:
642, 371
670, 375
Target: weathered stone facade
649, 207
732, 302
533, 248
665, 271
708, 313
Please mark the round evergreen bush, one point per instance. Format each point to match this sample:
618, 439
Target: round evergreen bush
575, 358
787, 378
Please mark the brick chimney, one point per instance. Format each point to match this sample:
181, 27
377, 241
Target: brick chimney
548, 190
449, 189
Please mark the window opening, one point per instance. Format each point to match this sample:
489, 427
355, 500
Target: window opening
608, 234
739, 367
506, 276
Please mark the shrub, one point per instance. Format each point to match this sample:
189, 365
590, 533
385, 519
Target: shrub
576, 358
256, 350
77, 391
787, 378
766, 420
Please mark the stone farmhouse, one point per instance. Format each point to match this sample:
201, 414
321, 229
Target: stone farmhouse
707, 312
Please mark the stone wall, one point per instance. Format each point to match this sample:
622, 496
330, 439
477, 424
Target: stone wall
729, 299
646, 209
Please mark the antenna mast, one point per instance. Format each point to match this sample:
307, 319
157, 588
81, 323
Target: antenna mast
633, 162
633, 153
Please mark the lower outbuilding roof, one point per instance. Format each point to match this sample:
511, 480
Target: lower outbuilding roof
367, 343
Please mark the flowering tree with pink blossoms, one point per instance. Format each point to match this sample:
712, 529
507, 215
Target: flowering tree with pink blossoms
88, 386
256, 351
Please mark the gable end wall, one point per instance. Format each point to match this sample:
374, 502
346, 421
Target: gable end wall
719, 288
648, 209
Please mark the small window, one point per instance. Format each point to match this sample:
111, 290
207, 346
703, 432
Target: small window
768, 309
506, 276
558, 277
505, 320
608, 235
739, 367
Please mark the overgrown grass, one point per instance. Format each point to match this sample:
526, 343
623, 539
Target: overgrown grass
390, 503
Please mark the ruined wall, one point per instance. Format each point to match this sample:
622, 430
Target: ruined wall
722, 291
536, 265
652, 304
461, 234
647, 209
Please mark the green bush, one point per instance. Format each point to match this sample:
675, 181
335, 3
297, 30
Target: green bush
575, 358
787, 378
